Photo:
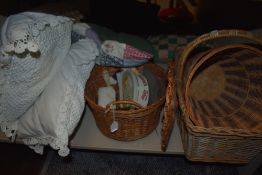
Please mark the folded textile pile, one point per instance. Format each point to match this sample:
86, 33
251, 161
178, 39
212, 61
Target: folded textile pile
45, 62
42, 77
117, 51
33, 47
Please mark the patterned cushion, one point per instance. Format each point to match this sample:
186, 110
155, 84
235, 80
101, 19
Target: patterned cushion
114, 53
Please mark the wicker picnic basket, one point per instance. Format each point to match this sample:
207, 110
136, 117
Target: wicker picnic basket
220, 98
132, 124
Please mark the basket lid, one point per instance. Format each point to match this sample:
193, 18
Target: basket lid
169, 108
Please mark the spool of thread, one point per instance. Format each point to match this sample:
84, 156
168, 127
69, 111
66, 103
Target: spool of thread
106, 95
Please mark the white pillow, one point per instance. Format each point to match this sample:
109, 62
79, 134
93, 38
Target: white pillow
56, 113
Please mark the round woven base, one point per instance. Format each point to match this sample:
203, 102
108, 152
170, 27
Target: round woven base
225, 91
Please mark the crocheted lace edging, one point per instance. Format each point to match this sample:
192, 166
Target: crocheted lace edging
63, 124
61, 142
22, 42
22, 37
38, 143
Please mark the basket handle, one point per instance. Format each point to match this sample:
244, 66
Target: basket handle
137, 105
210, 36
204, 59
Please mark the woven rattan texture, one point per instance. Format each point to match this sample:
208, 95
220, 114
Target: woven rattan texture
133, 124
219, 92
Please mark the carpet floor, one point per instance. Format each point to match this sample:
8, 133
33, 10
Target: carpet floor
82, 162
17, 159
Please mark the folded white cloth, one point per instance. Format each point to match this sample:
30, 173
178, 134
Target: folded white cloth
33, 47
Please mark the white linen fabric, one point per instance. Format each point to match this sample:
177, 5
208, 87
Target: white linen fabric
2, 20
56, 113
33, 47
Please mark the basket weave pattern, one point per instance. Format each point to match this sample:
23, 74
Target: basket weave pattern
220, 96
133, 124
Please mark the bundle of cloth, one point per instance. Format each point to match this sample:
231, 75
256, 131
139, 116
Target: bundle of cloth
45, 62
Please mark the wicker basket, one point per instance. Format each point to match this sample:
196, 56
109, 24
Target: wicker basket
132, 124
220, 96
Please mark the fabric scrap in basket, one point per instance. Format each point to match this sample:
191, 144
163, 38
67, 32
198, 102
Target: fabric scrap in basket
118, 54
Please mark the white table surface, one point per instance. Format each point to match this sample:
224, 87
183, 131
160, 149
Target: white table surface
88, 136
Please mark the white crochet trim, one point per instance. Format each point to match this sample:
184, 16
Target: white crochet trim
4, 65
77, 106
64, 115
21, 38
2, 88
61, 142
9, 128
21, 41
38, 143
63, 122
5, 60
47, 39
